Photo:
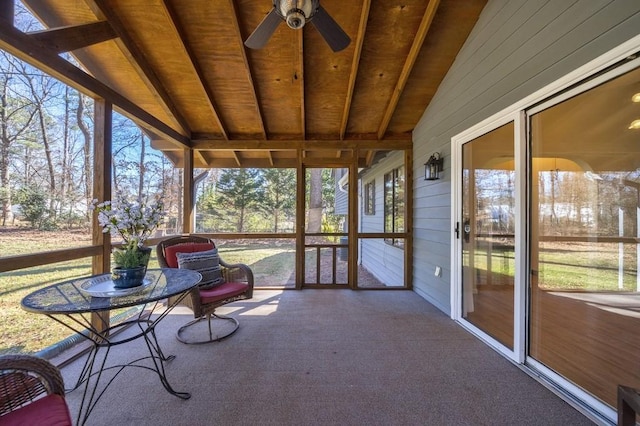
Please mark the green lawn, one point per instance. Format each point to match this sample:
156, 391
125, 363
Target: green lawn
587, 267
23, 332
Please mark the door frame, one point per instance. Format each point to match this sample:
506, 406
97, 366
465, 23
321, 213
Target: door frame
350, 163
517, 354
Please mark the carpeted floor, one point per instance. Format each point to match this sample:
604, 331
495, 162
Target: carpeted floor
328, 357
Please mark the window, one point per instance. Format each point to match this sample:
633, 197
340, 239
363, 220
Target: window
370, 198
394, 205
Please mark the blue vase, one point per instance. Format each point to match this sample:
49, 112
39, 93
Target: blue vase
128, 277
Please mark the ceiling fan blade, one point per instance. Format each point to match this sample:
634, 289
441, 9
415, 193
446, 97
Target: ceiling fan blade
263, 32
329, 29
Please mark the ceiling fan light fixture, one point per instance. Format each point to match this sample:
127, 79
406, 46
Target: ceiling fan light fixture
296, 13
296, 19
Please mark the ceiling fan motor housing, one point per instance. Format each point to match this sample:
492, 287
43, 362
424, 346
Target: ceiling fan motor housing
296, 12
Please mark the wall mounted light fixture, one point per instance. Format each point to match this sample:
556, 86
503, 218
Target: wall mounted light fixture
433, 167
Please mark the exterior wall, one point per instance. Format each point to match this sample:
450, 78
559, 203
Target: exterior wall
516, 48
341, 204
384, 261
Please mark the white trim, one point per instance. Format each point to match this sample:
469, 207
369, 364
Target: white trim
456, 258
579, 394
581, 88
520, 282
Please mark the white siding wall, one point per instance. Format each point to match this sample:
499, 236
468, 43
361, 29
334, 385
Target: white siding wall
384, 261
516, 48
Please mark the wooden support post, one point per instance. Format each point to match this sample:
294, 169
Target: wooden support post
300, 197
188, 220
352, 232
102, 144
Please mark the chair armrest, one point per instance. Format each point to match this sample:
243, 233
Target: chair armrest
236, 272
23, 378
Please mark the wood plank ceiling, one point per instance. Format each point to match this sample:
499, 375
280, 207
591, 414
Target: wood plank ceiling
184, 63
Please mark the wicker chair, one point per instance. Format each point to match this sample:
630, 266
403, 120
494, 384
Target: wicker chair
31, 392
238, 285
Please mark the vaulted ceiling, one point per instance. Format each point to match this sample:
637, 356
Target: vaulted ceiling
183, 62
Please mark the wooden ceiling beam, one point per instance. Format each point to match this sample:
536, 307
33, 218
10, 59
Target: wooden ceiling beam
239, 145
197, 69
138, 61
7, 11
66, 39
270, 156
369, 158
236, 156
27, 49
236, 25
355, 64
418, 40
198, 155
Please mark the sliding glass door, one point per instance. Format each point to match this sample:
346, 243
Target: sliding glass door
487, 232
546, 270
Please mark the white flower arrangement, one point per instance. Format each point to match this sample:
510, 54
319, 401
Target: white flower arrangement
133, 222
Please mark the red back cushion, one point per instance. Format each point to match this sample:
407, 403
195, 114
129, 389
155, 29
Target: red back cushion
170, 251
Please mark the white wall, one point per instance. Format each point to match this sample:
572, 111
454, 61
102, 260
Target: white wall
516, 48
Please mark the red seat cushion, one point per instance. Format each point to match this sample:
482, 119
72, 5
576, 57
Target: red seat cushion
222, 292
170, 251
51, 410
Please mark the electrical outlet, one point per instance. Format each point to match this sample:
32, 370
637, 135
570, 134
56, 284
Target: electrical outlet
438, 272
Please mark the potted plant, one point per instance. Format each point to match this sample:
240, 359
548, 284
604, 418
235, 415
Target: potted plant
133, 222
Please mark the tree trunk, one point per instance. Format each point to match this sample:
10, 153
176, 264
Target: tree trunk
87, 166
47, 152
5, 193
65, 179
315, 201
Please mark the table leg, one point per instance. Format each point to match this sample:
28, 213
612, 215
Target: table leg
91, 373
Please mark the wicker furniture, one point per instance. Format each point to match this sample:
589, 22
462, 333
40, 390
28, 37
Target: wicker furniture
237, 285
31, 392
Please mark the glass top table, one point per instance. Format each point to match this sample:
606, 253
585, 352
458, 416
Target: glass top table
78, 295
83, 304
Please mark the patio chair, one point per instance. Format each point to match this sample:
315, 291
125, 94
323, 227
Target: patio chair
233, 282
31, 392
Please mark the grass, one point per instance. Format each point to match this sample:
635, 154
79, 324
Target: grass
563, 266
575, 266
273, 264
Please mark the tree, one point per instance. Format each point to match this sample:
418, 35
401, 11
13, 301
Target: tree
279, 197
42, 88
33, 204
87, 167
238, 190
16, 115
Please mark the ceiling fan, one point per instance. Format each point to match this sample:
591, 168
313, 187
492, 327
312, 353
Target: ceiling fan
296, 13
